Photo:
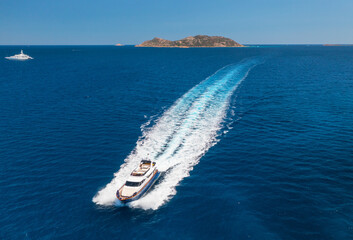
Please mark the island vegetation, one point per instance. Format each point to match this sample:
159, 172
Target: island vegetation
192, 41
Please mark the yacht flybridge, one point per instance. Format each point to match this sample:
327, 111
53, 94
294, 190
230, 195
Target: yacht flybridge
139, 182
20, 56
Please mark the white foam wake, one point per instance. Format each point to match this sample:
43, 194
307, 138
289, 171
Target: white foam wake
180, 137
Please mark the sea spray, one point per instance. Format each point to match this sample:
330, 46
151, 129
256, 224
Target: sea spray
180, 136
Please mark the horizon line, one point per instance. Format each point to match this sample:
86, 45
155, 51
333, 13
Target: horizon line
137, 44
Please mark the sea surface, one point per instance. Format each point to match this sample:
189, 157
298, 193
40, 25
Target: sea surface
254, 143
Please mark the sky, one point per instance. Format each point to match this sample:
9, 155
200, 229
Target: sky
106, 22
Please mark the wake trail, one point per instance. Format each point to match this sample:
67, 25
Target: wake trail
180, 136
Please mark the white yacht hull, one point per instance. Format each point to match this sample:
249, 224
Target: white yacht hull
18, 59
141, 192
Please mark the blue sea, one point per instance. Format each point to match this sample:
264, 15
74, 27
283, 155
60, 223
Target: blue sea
253, 143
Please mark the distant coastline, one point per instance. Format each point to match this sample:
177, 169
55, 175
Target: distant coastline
336, 45
200, 41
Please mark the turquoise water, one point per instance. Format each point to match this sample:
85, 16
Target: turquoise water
254, 143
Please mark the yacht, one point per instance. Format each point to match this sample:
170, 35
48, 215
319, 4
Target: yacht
20, 56
139, 182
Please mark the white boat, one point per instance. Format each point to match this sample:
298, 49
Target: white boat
139, 182
20, 56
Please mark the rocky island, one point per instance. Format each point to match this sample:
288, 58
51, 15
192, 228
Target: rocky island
196, 41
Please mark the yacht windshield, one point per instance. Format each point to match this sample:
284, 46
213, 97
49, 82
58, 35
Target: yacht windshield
133, 184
